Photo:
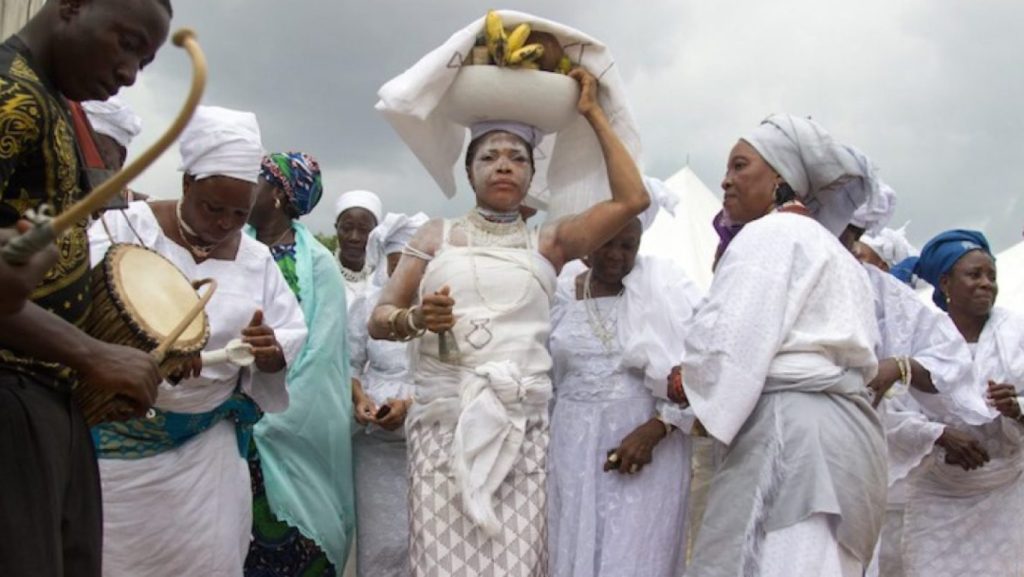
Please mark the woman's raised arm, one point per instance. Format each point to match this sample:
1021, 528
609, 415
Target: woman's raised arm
579, 235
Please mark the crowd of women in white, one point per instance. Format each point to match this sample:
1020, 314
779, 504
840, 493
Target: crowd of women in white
527, 400
790, 311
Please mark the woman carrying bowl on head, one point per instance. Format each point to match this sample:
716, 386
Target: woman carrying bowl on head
482, 285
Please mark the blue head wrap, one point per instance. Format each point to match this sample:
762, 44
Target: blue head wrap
298, 175
941, 253
904, 270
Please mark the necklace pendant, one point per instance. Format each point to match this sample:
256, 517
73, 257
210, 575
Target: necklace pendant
480, 336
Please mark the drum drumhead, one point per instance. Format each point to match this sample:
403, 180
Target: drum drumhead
156, 294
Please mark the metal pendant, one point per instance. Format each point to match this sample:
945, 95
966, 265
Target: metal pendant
480, 336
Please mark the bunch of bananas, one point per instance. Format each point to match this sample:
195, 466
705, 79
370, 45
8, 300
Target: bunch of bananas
511, 49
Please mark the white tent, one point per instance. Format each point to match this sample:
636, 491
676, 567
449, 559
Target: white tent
15, 13
688, 238
1010, 268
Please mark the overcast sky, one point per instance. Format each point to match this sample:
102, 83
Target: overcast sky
932, 90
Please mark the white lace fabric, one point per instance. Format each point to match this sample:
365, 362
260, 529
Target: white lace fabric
598, 522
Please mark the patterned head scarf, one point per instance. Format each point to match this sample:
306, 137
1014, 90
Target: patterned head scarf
941, 253
298, 175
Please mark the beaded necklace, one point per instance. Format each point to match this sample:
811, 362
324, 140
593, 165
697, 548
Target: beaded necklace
353, 276
481, 232
603, 328
197, 251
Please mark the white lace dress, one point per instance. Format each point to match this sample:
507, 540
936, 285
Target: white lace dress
970, 522
909, 326
607, 524
381, 467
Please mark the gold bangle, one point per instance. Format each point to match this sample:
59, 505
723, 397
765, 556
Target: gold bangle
403, 322
904, 364
397, 325
393, 322
411, 323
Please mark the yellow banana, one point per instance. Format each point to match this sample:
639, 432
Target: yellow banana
497, 40
528, 53
564, 65
530, 65
517, 39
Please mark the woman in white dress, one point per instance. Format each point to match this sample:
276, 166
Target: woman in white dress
618, 468
776, 364
356, 214
176, 489
965, 503
381, 396
923, 357
478, 428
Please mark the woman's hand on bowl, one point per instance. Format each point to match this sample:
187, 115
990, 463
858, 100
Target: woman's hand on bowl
588, 103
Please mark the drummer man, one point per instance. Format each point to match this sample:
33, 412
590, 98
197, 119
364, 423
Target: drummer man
50, 521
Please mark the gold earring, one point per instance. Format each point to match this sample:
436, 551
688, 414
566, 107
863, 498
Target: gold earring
277, 203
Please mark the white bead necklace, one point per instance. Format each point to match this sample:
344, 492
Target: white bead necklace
483, 233
354, 276
604, 329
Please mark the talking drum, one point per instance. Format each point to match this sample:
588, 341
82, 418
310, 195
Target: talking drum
141, 300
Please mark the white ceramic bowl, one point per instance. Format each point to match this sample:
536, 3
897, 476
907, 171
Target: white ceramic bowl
546, 100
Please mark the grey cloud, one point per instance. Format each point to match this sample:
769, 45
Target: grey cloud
929, 89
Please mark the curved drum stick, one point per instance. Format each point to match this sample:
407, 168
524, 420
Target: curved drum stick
161, 351
21, 248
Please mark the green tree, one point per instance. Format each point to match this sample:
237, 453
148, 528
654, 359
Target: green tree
330, 241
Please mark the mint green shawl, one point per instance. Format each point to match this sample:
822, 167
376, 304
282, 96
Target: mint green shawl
306, 451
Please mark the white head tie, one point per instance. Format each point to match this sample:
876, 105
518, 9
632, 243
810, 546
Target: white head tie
891, 245
222, 142
113, 118
832, 179
359, 199
662, 197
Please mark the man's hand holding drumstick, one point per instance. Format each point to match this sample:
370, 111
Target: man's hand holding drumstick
18, 281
